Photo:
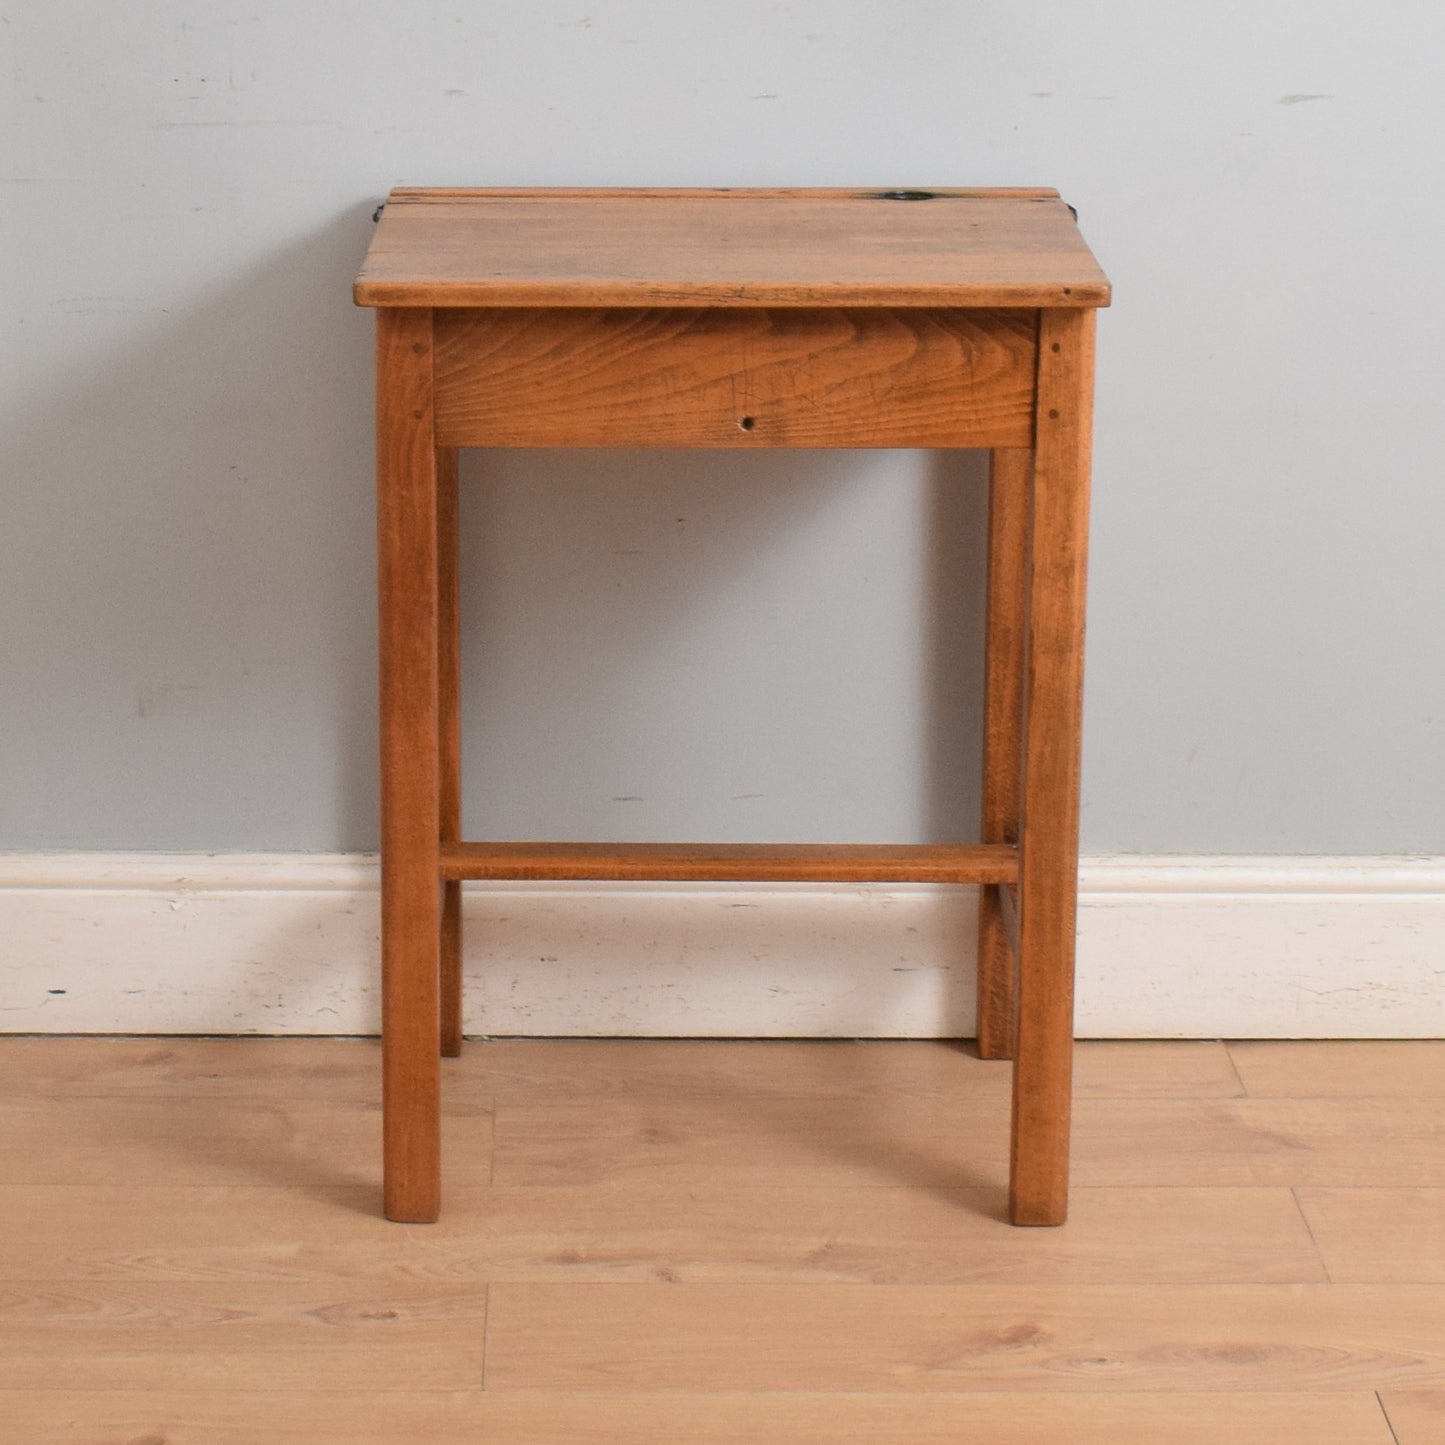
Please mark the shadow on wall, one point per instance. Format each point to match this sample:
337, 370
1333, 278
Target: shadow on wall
659, 644
723, 646
957, 571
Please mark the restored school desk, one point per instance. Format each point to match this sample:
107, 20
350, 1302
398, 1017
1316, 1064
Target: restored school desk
739, 318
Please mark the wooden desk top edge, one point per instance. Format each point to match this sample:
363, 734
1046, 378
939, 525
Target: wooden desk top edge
1019, 248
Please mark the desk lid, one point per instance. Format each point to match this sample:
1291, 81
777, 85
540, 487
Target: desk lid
445, 247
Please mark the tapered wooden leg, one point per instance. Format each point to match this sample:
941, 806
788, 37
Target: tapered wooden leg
450, 736
1002, 736
406, 464
1053, 706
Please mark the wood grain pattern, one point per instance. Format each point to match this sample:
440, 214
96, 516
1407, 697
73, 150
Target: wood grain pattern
719, 193
333, 1072
279, 1071
743, 1138
1153, 1068
449, 761
218, 1231
634, 1232
1003, 716
739, 862
1342, 1068
329, 1234
561, 1071
1326, 1142
243, 1143
140, 1335
692, 377
883, 1236
1053, 719
419, 1417
751, 248
406, 475
880, 1236
1358, 1247
1417, 1417
1073, 1338
866, 1137
338, 1071
535, 1070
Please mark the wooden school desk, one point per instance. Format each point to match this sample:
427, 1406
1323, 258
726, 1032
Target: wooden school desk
739, 318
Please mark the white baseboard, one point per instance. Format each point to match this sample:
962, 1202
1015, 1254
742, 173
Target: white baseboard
287, 944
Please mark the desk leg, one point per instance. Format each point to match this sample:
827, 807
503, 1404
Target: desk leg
406, 465
1003, 692
449, 722
1053, 707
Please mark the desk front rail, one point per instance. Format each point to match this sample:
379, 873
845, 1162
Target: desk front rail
750, 377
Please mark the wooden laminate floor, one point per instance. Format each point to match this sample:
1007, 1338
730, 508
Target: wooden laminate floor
709, 1242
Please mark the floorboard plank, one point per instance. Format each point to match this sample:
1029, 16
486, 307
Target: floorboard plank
243, 1143
807, 1236
1320, 1142
532, 1070
330, 1071
879, 1236
339, 1071
749, 1139
965, 1337
140, 1335
1418, 1417
46, 1067
1379, 1236
1340, 1068
416, 1418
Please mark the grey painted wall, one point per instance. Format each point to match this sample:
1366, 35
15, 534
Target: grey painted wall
675, 645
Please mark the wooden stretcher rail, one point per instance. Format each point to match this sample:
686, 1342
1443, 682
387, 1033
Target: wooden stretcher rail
735, 862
